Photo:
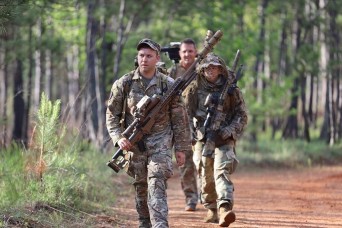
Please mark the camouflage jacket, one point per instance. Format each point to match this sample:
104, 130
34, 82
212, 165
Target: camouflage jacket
195, 96
176, 71
169, 125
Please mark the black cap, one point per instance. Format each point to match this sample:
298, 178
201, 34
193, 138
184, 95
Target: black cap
150, 43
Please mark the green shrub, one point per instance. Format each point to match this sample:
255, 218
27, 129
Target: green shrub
289, 153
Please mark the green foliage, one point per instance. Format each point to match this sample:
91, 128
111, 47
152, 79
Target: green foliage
74, 181
78, 184
48, 134
9, 11
288, 154
11, 175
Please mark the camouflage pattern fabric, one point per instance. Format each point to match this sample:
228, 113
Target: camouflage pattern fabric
217, 187
151, 202
176, 71
188, 179
197, 159
188, 173
152, 167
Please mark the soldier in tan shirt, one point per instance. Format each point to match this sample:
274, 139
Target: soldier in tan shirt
188, 172
151, 158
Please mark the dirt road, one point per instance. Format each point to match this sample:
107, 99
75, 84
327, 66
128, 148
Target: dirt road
263, 198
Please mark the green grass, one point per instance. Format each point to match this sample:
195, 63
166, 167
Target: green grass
289, 153
65, 183
55, 182
78, 185
73, 189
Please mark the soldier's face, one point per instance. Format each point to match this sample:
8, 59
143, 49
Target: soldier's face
147, 60
187, 53
211, 73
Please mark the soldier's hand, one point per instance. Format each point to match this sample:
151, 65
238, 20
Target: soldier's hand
180, 158
124, 144
224, 133
200, 134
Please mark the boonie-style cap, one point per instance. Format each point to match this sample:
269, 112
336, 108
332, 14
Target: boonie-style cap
211, 59
154, 45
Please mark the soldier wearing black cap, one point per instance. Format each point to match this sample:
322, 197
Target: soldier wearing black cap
151, 158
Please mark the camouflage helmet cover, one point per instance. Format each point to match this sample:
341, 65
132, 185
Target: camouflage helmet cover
212, 59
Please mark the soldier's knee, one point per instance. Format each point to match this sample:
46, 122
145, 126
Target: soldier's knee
140, 188
227, 165
231, 165
160, 171
226, 178
160, 166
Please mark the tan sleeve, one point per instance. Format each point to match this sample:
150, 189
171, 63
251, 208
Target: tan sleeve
190, 99
114, 111
180, 125
239, 117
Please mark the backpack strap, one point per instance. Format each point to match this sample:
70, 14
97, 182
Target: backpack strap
163, 85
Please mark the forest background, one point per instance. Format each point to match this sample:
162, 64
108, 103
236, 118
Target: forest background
73, 50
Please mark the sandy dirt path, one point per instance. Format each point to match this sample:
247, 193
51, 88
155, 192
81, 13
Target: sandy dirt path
310, 197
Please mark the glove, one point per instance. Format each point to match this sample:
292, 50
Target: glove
225, 134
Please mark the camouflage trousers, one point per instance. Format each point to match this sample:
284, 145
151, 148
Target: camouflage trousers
216, 185
188, 179
150, 172
197, 158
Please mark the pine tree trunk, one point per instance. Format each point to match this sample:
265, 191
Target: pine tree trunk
259, 65
29, 82
276, 122
38, 69
73, 85
92, 113
19, 105
102, 96
291, 127
3, 96
48, 74
332, 85
119, 40
335, 56
324, 58
306, 132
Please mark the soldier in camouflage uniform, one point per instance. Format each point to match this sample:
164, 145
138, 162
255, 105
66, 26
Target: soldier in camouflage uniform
187, 53
151, 158
217, 186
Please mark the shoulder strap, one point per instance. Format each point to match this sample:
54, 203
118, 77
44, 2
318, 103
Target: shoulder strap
173, 71
164, 85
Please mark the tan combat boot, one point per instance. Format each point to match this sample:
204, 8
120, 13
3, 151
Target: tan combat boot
227, 216
212, 216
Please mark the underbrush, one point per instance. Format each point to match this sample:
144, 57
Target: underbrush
58, 181
288, 154
72, 192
